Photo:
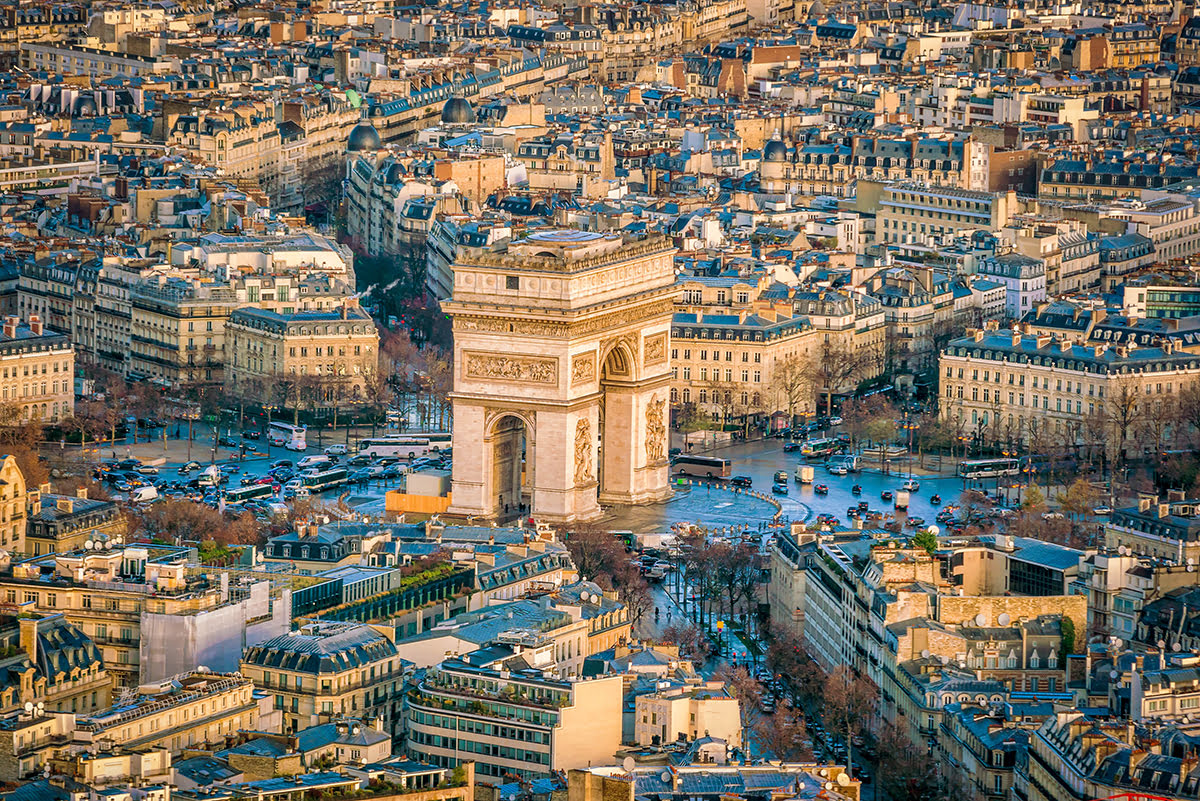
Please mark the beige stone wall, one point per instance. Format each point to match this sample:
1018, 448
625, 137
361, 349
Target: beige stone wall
590, 729
953, 609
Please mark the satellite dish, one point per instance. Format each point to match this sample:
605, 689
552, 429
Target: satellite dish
934, 530
823, 772
925, 654
1112, 674
1004, 619
665, 776
1191, 560
90, 544
1175, 647
41, 706
1118, 642
1191, 568
1162, 643
108, 545
201, 668
843, 780
980, 620
627, 763
29, 706
828, 785
1121, 549
945, 659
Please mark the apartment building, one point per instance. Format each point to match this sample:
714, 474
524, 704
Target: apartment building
339, 349
1103, 179
326, 120
50, 662
1069, 253
328, 670
1172, 223
192, 710
1023, 278
918, 305
1006, 386
512, 721
687, 712
13, 499
147, 615
37, 370
1158, 300
916, 213
59, 523
73, 59
177, 331
1168, 528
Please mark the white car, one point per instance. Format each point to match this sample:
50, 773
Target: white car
1102, 511
835, 420
338, 449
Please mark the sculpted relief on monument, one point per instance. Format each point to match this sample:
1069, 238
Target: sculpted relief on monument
583, 368
527, 369
583, 453
655, 349
656, 431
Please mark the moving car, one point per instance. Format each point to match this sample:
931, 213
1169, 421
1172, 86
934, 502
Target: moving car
781, 477
780, 489
912, 485
337, 449
741, 481
821, 489
886, 495
856, 490
788, 447
1102, 510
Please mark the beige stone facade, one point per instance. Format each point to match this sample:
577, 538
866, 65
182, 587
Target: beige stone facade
562, 371
37, 370
687, 713
336, 350
12, 506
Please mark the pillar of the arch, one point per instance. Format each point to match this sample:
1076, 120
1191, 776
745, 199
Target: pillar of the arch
471, 490
565, 466
634, 443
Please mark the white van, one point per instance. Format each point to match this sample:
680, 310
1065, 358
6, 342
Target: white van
143, 494
315, 460
337, 449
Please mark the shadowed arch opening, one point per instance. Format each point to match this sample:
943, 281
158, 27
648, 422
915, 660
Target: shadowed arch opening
510, 442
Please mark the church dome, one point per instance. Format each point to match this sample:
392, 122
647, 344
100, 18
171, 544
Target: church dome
775, 151
458, 111
363, 137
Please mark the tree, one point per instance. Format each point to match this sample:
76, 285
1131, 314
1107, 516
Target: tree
925, 539
783, 736
849, 706
183, 521
1079, 499
1034, 500
840, 365
911, 772
794, 381
690, 639
881, 430
748, 692
1122, 411
594, 551
1067, 634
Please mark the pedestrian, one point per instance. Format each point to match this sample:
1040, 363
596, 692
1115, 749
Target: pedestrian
506, 509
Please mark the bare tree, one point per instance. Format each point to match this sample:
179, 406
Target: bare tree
783, 735
794, 380
849, 706
839, 365
1122, 411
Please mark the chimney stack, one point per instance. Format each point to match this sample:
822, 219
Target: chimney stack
10, 327
35, 324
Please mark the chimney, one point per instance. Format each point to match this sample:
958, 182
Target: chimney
81, 493
1164, 509
1016, 339
1100, 349
66, 505
979, 335
10, 327
44, 488
1176, 495
1043, 340
28, 633
35, 324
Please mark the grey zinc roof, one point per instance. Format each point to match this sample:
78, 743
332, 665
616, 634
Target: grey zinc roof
329, 648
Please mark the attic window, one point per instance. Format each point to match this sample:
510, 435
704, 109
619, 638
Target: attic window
512, 282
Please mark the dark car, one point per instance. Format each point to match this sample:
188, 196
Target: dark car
251, 435
741, 481
779, 489
190, 466
788, 447
886, 495
821, 489
359, 461
281, 463
129, 464
228, 442
673, 452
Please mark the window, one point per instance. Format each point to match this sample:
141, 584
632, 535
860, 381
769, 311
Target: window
512, 282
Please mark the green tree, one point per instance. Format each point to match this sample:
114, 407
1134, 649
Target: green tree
1079, 498
1068, 635
926, 539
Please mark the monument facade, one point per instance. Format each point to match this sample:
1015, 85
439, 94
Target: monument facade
562, 375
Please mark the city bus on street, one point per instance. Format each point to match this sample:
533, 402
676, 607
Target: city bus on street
705, 466
243, 494
286, 435
988, 468
323, 480
820, 448
394, 447
438, 440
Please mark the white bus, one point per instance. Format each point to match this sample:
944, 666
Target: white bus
396, 447
286, 435
243, 494
438, 440
323, 480
988, 468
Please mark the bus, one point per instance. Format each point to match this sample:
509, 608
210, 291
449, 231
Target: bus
988, 468
708, 466
397, 447
325, 479
820, 448
438, 440
286, 435
243, 494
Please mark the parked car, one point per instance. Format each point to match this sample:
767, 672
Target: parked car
789, 447
1101, 511
741, 481
336, 449
836, 420
129, 464
281, 463
361, 460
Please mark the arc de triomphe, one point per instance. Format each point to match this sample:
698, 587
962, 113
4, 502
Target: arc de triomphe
561, 375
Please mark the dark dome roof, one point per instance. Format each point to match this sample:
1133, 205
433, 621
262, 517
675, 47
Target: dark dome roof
775, 151
363, 137
84, 106
458, 111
